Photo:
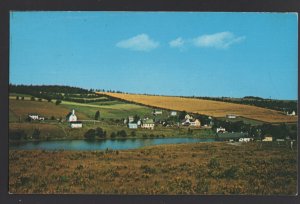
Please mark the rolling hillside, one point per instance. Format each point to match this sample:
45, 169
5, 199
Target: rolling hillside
206, 107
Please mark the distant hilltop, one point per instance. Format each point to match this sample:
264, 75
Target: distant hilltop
62, 92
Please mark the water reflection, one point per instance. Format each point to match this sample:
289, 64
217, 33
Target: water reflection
116, 144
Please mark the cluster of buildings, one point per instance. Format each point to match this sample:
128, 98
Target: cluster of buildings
145, 123
149, 123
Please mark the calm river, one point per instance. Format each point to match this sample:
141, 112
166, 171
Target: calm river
116, 144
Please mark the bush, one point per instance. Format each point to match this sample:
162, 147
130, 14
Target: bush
22, 98
148, 170
133, 134
17, 97
100, 133
113, 135
213, 163
122, 133
90, 134
230, 173
58, 102
32, 98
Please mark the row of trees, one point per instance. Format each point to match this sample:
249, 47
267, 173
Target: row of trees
22, 135
92, 134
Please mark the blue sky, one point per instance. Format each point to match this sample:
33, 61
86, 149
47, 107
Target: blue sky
169, 53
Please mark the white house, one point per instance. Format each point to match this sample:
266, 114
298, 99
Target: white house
195, 123
291, 114
157, 112
188, 117
245, 139
72, 117
76, 124
35, 117
130, 119
132, 125
148, 124
139, 122
173, 113
186, 122
220, 129
231, 116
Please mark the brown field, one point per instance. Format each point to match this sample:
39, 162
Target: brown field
207, 107
200, 168
20, 108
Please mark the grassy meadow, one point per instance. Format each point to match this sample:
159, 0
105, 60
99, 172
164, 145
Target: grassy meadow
206, 107
199, 168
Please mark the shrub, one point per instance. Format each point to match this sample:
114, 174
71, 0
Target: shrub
90, 134
113, 135
213, 163
58, 102
100, 133
32, 98
122, 133
230, 173
17, 97
148, 170
22, 98
133, 134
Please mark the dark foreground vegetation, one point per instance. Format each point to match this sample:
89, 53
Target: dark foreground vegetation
201, 168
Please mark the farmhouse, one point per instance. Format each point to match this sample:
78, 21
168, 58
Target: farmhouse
231, 116
148, 124
173, 113
291, 114
132, 125
76, 124
186, 122
187, 116
35, 117
245, 139
268, 139
195, 123
130, 119
157, 112
220, 129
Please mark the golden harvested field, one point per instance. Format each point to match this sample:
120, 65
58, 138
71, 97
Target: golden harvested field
206, 107
200, 168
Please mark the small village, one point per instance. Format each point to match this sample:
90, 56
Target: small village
135, 122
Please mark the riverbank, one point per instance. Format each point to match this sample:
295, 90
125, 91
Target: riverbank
200, 168
51, 131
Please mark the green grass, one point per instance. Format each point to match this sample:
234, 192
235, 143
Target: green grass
112, 111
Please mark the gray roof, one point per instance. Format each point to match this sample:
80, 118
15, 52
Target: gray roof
232, 135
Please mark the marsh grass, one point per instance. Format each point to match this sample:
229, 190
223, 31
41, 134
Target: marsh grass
217, 168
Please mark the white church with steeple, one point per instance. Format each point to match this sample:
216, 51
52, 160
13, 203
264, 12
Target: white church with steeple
72, 119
